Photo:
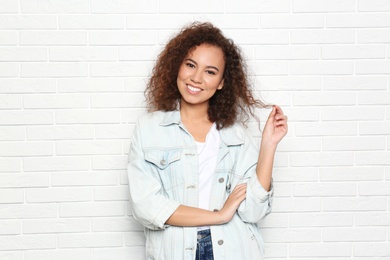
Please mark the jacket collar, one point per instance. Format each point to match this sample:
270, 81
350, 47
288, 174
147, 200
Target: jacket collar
230, 135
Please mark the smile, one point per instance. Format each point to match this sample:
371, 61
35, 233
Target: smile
193, 89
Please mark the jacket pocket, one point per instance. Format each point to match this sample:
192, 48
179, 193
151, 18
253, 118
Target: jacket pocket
167, 164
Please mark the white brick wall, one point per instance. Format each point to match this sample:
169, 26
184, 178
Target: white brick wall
72, 75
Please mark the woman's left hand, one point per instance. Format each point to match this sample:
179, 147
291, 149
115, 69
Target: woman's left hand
275, 128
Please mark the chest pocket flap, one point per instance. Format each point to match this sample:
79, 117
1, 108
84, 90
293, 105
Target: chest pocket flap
162, 158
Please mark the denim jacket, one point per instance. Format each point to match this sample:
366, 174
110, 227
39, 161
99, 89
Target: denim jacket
163, 174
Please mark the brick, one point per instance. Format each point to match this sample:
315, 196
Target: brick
225, 21
27, 86
26, 117
353, 52
123, 6
321, 67
135, 239
300, 144
59, 254
60, 179
23, 211
91, 22
319, 249
111, 38
372, 158
62, 6
374, 98
281, 52
372, 249
91, 209
321, 220
374, 128
276, 220
12, 133
10, 101
136, 252
327, 36
88, 147
128, 69
181, 7
158, 21
351, 174
109, 162
23, 54
347, 234
355, 83
111, 193
28, 242
118, 100
80, 116
9, 70
90, 240
372, 219
354, 204
358, 20
322, 159
323, 6
252, 6
72, 163
87, 85
12, 255
298, 114
284, 21
26, 149
11, 197
326, 129
353, 143
296, 205
48, 226
275, 97
57, 38
123, 224
9, 6
138, 53
10, 165
243, 37
49, 70
373, 5
9, 37
374, 36
83, 54
274, 250
112, 131
268, 68
373, 67
55, 101
45, 195
296, 174
374, 188
353, 113
289, 83
26, 22
295, 235
325, 189
322, 98
282, 189
66, 132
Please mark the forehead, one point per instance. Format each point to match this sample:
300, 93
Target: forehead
207, 52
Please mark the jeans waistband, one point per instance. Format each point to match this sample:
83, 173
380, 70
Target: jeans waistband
203, 233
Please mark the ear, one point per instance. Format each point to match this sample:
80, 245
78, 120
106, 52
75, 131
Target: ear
220, 86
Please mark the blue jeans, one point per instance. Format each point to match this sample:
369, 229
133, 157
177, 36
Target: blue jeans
204, 249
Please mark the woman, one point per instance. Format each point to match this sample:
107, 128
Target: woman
198, 184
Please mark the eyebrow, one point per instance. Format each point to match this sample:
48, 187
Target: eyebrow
210, 67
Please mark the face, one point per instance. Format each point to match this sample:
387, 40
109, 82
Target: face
200, 75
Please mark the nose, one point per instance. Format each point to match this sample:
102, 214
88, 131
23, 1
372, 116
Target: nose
196, 77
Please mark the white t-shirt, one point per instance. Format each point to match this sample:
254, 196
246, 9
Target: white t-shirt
207, 155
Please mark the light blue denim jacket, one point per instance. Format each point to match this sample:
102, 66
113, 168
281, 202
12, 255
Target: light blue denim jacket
163, 173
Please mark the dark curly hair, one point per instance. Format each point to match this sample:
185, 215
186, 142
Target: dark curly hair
235, 100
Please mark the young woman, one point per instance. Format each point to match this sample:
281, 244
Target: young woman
198, 183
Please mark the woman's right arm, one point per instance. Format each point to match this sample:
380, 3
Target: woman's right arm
186, 216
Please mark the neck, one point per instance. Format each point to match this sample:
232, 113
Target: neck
193, 114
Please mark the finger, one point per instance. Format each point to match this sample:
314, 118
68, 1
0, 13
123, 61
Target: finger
272, 114
278, 110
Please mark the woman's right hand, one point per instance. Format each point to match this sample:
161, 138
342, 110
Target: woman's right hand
233, 202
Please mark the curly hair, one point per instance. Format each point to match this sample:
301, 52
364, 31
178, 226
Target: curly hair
234, 101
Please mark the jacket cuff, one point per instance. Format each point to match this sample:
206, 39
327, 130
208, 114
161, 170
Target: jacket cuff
165, 213
260, 194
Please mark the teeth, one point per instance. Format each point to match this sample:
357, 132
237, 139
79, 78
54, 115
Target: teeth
193, 88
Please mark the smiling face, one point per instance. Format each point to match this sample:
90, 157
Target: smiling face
200, 75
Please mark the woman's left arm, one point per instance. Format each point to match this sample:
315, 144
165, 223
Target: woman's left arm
274, 131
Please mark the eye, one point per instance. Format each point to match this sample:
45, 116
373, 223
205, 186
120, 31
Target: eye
211, 72
190, 65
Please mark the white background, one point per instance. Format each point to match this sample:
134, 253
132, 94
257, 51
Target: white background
72, 75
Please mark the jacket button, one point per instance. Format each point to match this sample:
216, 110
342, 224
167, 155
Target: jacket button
162, 162
221, 180
220, 242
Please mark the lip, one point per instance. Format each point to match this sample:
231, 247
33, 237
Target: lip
190, 89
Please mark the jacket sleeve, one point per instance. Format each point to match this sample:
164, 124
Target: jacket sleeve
149, 205
258, 202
